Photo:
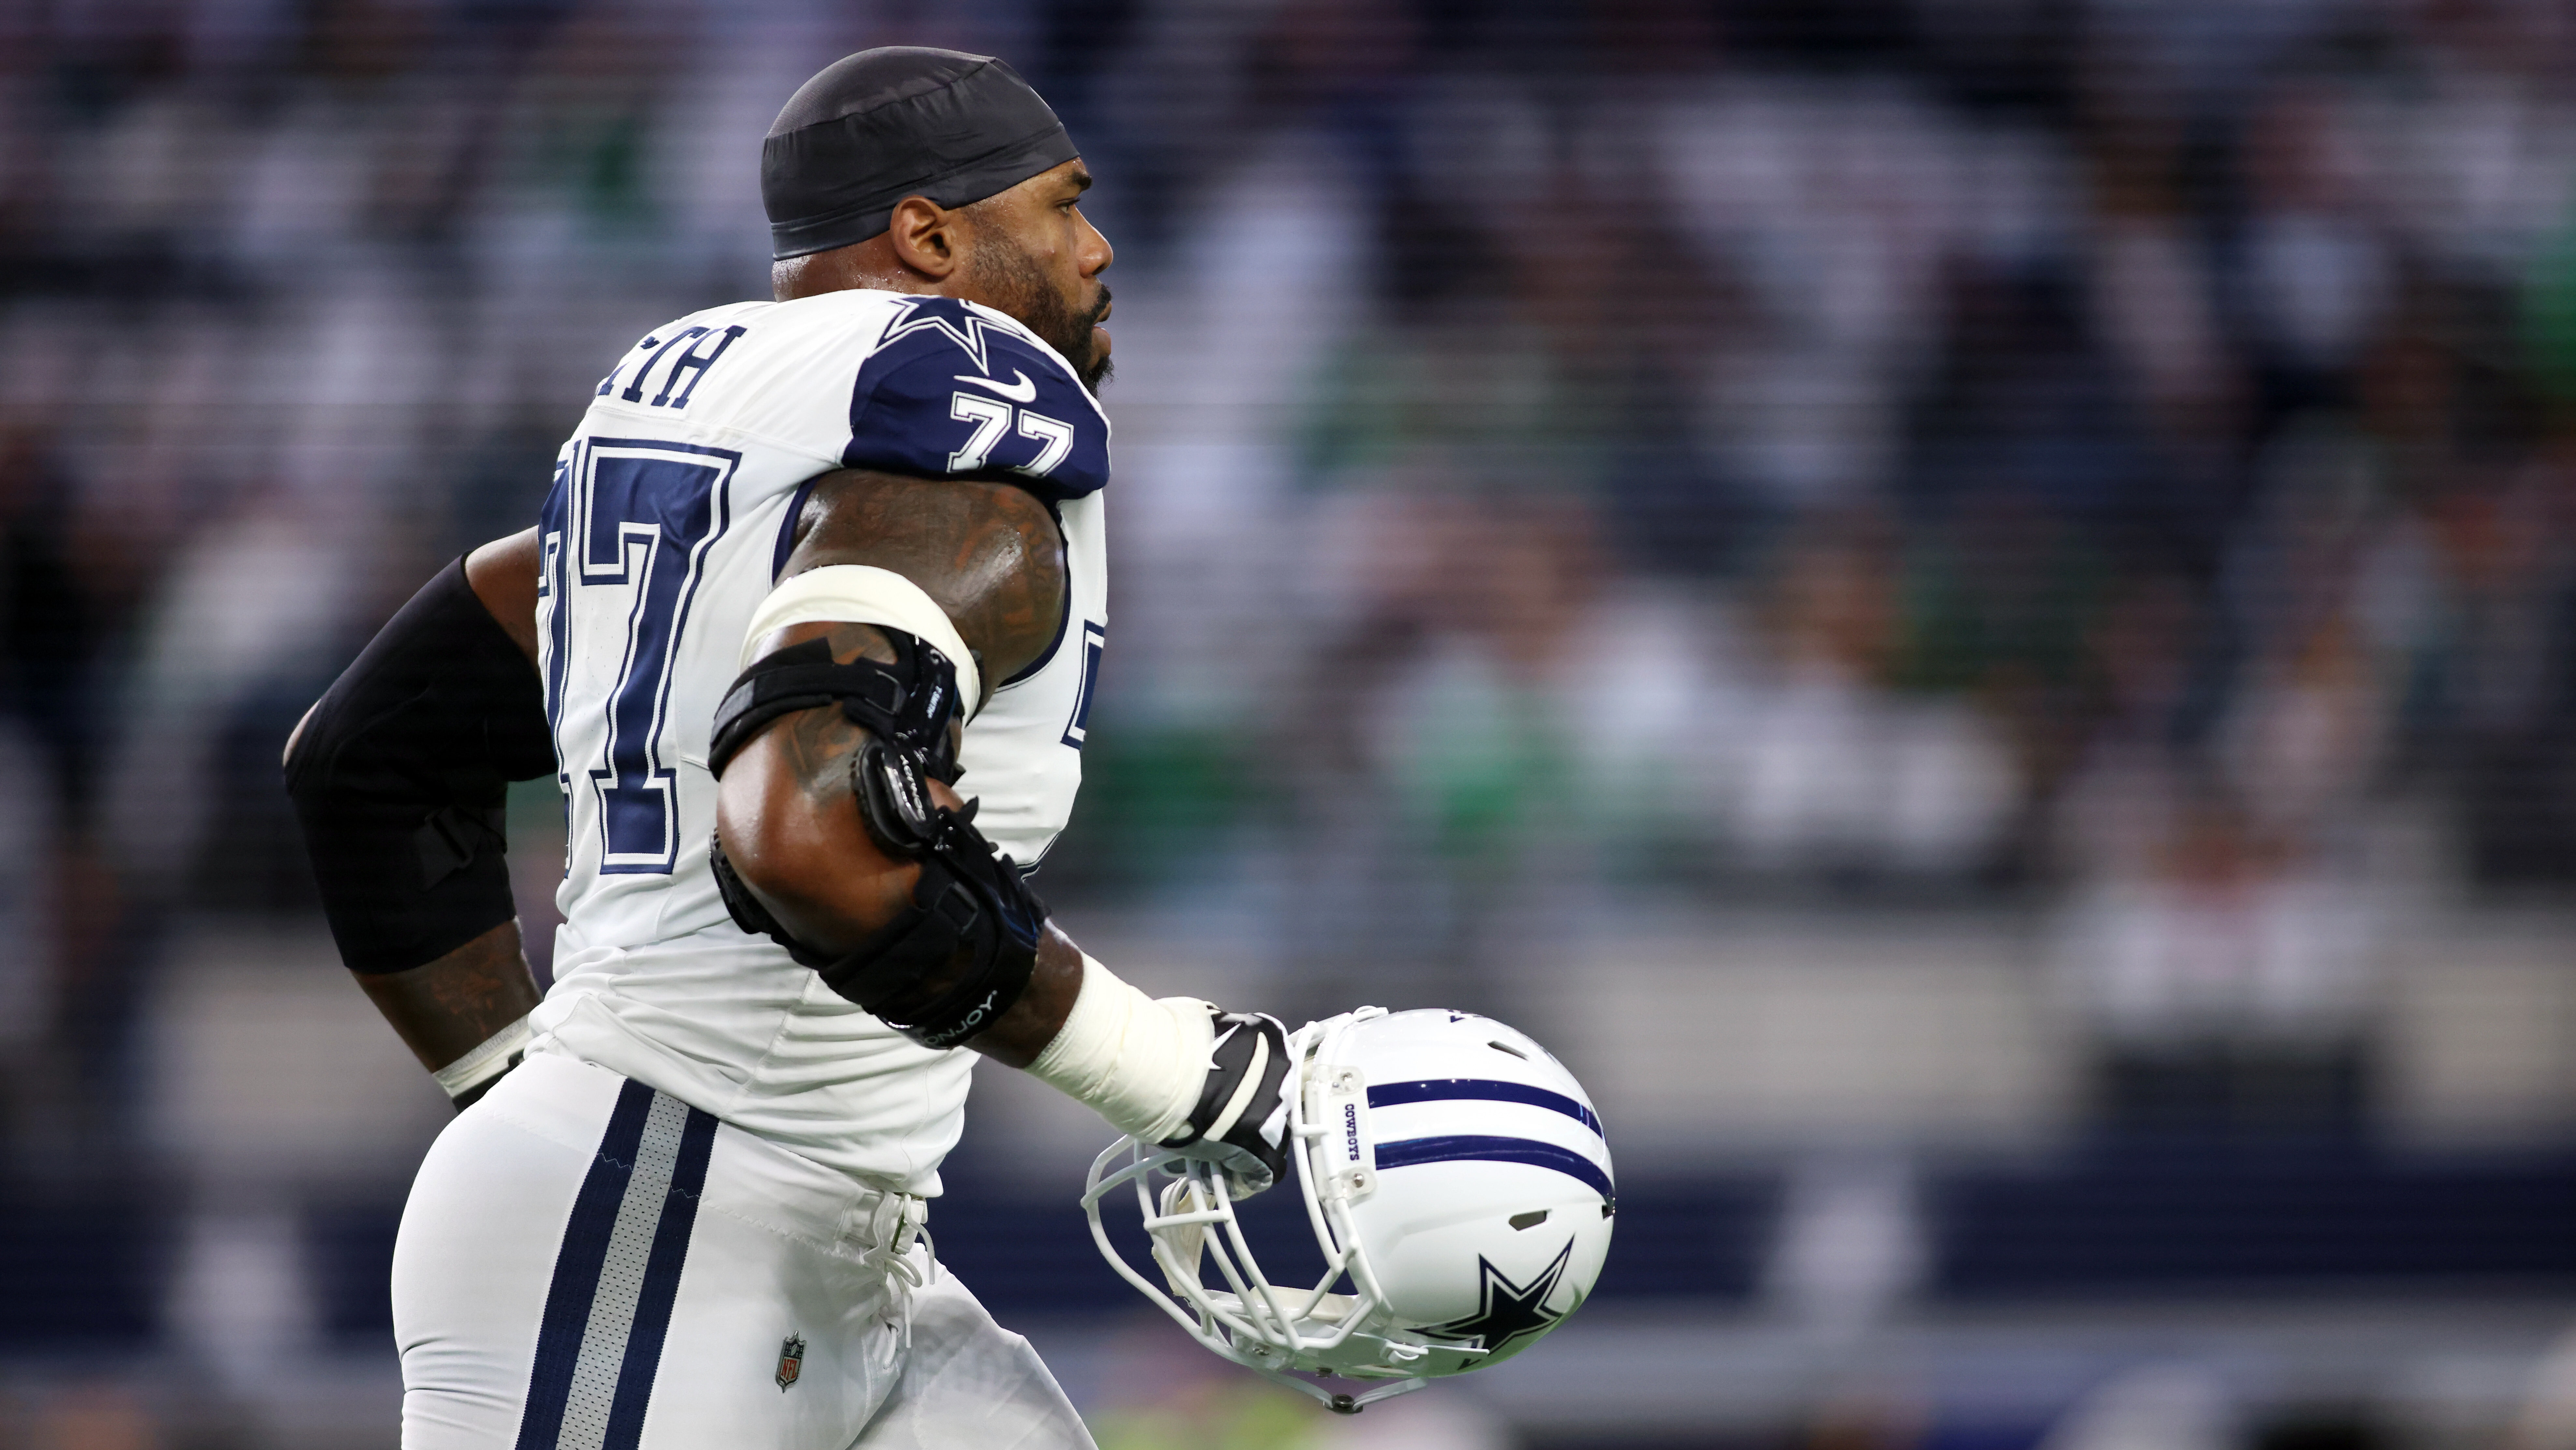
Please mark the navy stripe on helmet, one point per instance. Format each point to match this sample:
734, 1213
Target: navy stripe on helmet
577, 1265
1486, 1089
652, 1322
1406, 1152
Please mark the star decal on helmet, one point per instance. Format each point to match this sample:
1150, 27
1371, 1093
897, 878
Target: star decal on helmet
1505, 1310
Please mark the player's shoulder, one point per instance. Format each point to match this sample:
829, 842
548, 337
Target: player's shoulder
926, 334
822, 337
776, 370
666, 366
929, 386
960, 389
878, 333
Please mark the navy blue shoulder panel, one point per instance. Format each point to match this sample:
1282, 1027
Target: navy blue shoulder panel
951, 393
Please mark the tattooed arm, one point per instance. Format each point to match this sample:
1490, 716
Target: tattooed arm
991, 556
1174, 1070
446, 1007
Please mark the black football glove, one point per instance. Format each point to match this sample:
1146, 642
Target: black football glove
1240, 1125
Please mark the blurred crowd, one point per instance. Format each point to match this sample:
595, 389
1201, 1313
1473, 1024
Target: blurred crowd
2105, 463
2108, 454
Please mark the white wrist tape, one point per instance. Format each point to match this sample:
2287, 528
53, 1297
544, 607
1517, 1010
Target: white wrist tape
864, 594
490, 1058
1140, 1060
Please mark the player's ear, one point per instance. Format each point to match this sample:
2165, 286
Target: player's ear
925, 237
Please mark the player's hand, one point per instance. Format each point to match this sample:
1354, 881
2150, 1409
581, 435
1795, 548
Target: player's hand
1241, 1123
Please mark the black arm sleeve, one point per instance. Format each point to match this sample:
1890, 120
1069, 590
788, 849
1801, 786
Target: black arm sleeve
400, 775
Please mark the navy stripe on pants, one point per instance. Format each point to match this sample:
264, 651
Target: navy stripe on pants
608, 1309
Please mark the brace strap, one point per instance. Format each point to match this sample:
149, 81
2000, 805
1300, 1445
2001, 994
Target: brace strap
907, 705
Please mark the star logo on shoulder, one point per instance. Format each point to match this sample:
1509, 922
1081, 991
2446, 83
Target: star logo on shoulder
1505, 1310
930, 314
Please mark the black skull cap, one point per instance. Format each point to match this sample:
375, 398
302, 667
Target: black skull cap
898, 121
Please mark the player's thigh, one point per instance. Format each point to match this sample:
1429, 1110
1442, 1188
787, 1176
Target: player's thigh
566, 1276
969, 1381
471, 1268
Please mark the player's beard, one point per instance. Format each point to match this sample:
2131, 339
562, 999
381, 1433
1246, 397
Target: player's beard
1009, 275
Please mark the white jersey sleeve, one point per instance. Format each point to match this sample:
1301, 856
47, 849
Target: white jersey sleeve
671, 515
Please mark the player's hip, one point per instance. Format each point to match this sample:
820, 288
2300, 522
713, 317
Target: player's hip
583, 1253
826, 1085
591, 1121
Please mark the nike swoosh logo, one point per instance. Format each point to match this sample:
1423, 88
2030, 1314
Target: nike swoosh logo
1025, 391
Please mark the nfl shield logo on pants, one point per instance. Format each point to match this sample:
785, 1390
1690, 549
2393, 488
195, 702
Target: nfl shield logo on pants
791, 1361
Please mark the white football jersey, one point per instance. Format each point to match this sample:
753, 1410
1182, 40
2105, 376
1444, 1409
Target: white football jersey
672, 511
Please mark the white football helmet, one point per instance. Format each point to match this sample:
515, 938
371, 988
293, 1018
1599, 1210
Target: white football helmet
1452, 1170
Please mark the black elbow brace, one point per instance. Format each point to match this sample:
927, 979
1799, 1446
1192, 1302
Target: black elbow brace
969, 909
400, 774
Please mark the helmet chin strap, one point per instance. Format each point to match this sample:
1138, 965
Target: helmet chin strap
1339, 1402
1187, 1241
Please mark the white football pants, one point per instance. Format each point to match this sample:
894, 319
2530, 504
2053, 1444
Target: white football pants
586, 1262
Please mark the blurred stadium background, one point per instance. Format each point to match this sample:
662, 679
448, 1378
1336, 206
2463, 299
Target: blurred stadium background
1968, 605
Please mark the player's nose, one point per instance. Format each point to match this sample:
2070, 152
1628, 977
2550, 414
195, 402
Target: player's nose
1096, 252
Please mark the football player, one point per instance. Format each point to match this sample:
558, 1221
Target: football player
807, 634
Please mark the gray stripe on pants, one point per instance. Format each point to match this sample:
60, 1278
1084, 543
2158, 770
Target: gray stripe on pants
621, 1277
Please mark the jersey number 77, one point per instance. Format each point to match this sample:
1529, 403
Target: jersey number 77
636, 516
